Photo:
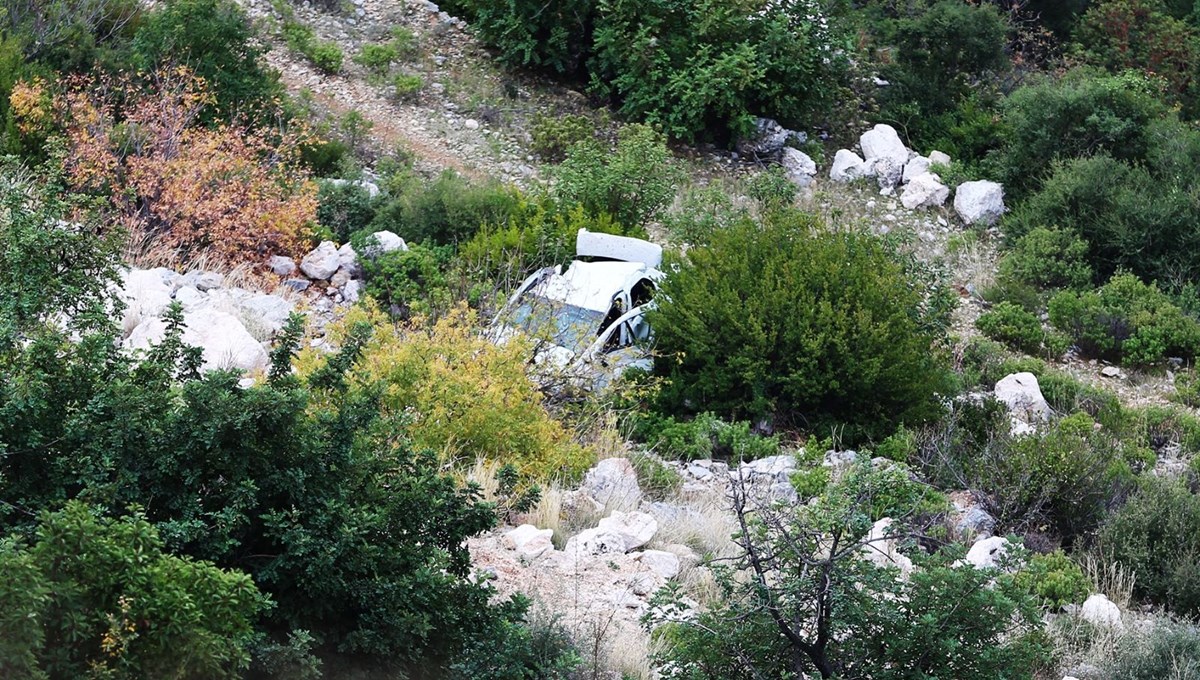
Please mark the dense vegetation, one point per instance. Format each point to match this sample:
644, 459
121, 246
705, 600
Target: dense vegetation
157, 520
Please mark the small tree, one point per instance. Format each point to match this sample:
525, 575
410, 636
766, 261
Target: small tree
809, 600
789, 321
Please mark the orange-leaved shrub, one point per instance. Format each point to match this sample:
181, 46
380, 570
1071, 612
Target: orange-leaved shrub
230, 193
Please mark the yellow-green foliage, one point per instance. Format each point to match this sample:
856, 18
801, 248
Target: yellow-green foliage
466, 396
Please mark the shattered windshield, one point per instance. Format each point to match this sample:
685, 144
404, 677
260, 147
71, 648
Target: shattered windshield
562, 324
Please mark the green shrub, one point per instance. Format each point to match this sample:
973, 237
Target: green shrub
704, 437
326, 56
1055, 579
446, 211
1048, 258
1157, 535
1057, 480
787, 321
1164, 649
540, 233
704, 70
345, 208
633, 182
521, 648
1082, 114
98, 597
941, 55
1133, 220
377, 58
1141, 35
985, 362
532, 34
1187, 389
408, 282
214, 38
1126, 320
654, 477
1013, 326
772, 189
553, 136
407, 85
1066, 394
890, 628
701, 211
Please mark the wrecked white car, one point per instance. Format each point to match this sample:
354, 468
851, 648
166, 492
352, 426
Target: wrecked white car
588, 321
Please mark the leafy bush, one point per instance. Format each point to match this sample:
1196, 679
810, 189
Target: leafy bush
701, 211
552, 136
786, 321
772, 189
1187, 388
1048, 258
841, 615
325, 55
633, 182
704, 437
447, 211
1127, 320
532, 647
213, 39
1079, 115
1165, 649
1055, 579
540, 233
407, 85
531, 34
1157, 535
1134, 221
704, 70
345, 208
654, 477
941, 55
1140, 34
1014, 326
377, 58
408, 282
231, 193
90, 597
1058, 479
465, 397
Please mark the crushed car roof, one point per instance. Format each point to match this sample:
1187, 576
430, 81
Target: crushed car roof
591, 285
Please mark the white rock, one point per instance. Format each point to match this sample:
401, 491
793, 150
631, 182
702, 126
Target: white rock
635, 528
595, 541
146, 293
847, 167
938, 158
1101, 612
271, 311
613, 480
523, 534
471, 124
1110, 372
349, 261
986, 553
322, 262
223, 339
1022, 395
882, 141
882, 551
189, 297
778, 468
916, 167
924, 191
529, 541
371, 188
979, 202
282, 266
798, 166
351, 291
383, 242
203, 281
887, 172
767, 139
661, 562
